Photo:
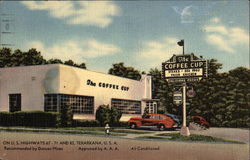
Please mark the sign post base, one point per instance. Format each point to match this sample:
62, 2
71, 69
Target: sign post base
184, 131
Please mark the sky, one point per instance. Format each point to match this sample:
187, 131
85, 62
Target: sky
142, 34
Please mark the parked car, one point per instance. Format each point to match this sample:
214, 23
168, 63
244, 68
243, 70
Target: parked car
201, 121
161, 121
175, 118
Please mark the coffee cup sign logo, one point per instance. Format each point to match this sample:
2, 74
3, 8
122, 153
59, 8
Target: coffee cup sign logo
184, 68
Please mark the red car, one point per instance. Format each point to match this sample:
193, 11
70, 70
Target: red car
159, 120
201, 121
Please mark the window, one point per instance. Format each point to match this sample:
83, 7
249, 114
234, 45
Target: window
50, 103
79, 104
14, 102
152, 106
127, 106
155, 117
162, 117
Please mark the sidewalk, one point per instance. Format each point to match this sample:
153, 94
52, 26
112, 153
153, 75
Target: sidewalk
132, 136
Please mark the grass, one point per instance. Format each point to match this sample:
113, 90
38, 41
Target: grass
195, 138
63, 130
85, 129
130, 131
152, 137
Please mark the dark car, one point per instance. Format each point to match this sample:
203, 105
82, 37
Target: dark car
175, 118
201, 121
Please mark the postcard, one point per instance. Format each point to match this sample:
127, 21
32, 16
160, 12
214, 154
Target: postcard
124, 80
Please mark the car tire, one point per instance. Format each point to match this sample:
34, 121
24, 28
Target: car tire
173, 128
161, 127
132, 126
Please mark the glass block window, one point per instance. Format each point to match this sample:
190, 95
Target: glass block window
50, 102
14, 102
127, 106
79, 104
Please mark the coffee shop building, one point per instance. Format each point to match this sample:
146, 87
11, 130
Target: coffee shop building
48, 87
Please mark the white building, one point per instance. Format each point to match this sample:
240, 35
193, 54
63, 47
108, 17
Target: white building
47, 87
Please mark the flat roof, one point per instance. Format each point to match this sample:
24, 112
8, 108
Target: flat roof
39, 65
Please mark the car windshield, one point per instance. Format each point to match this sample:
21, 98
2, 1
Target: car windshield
171, 115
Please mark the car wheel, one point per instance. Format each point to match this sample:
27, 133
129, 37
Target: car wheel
161, 127
132, 125
173, 128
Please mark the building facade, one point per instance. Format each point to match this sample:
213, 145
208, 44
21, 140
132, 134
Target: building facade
48, 87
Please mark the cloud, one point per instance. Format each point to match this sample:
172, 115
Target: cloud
94, 13
216, 29
153, 53
215, 20
225, 38
75, 50
186, 13
220, 42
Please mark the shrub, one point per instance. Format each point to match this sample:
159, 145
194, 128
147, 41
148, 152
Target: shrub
29, 119
122, 124
86, 123
105, 114
5, 119
115, 116
66, 115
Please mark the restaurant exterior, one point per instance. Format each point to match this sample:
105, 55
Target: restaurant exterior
48, 87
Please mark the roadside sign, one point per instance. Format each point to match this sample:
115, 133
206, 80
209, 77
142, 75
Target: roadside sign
177, 98
184, 68
191, 93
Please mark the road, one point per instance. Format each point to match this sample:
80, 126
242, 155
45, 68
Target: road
20, 146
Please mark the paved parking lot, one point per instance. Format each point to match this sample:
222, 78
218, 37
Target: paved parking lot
237, 134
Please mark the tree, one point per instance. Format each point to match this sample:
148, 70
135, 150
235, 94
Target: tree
54, 61
31, 57
208, 101
223, 98
163, 91
120, 70
82, 65
19, 58
72, 63
66, 115
5, 57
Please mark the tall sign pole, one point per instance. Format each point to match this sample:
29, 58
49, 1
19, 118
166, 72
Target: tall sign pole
181, 43
184, 105
184, 128
183, 69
